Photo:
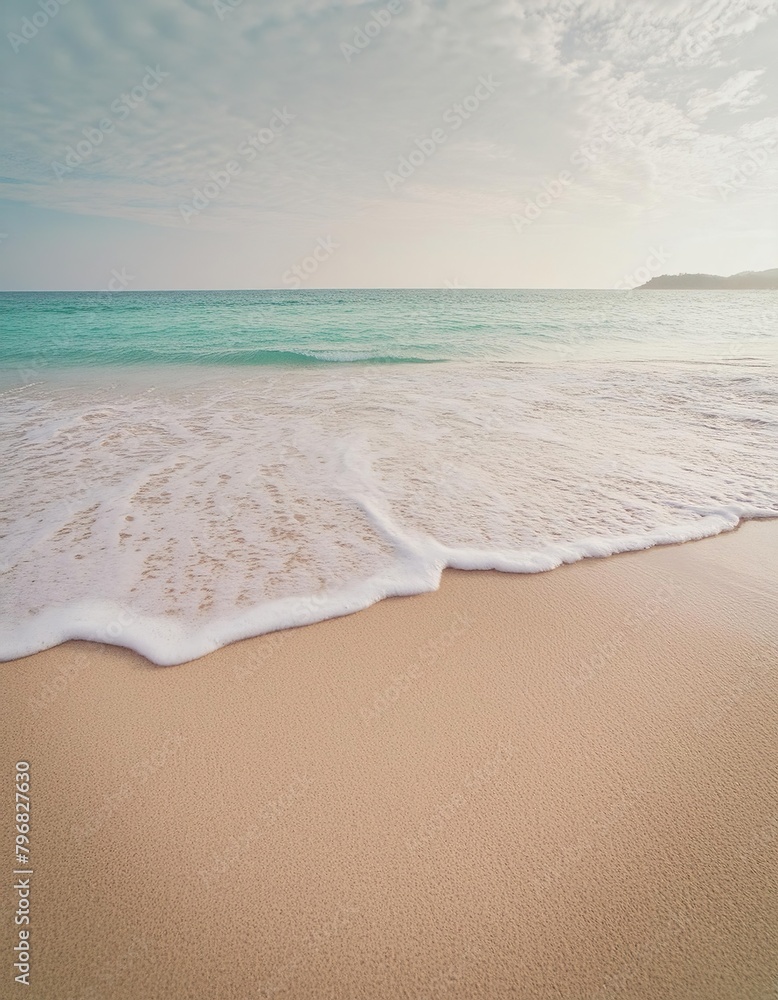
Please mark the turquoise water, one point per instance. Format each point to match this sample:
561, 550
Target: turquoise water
309, 327
182, 470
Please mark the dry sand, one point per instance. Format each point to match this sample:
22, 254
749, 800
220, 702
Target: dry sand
558, 786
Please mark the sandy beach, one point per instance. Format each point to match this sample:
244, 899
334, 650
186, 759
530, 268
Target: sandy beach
553, 786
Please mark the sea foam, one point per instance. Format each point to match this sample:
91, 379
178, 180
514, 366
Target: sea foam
175, 516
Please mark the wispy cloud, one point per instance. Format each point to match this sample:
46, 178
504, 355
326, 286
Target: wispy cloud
684, 86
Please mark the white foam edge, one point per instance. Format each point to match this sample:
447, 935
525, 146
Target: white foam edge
170, 643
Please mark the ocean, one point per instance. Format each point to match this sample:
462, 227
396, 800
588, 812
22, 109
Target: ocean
185, 469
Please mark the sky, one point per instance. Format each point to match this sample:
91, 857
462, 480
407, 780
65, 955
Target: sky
338, 143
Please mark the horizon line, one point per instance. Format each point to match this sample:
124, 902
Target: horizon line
372, 288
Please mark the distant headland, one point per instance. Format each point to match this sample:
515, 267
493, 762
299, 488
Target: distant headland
746, 279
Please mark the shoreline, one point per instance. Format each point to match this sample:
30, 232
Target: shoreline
166, 651
187, 518
555, 784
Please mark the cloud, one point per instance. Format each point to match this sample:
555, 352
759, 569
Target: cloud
680, 87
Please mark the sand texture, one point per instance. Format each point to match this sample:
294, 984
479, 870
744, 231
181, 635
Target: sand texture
556, 786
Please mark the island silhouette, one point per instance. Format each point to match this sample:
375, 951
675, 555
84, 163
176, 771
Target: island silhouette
743, 280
